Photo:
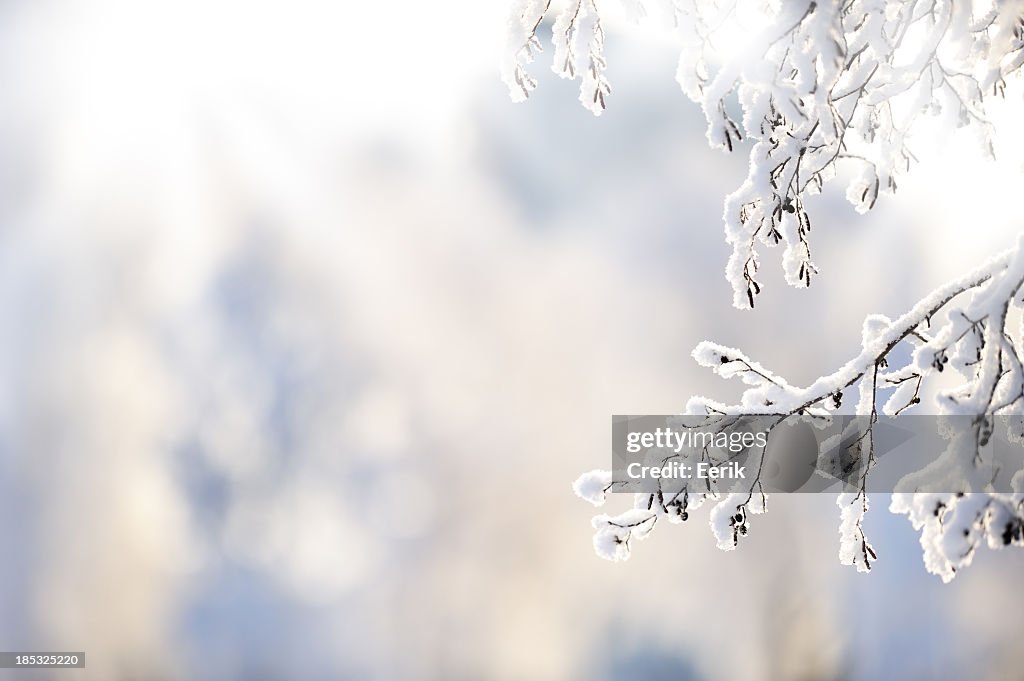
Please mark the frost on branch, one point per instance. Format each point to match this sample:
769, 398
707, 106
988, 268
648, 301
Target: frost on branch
578, 38
525, 17
960, 329
729, 518
613, 536
854, 548
954, 526
814, 83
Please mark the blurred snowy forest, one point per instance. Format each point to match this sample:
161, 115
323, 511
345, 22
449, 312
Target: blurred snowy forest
306, 331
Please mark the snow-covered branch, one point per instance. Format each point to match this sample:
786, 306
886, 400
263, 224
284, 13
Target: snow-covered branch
811, 85
960, 328
814, 84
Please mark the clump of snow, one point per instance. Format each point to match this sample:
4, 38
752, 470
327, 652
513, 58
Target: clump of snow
593, 486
